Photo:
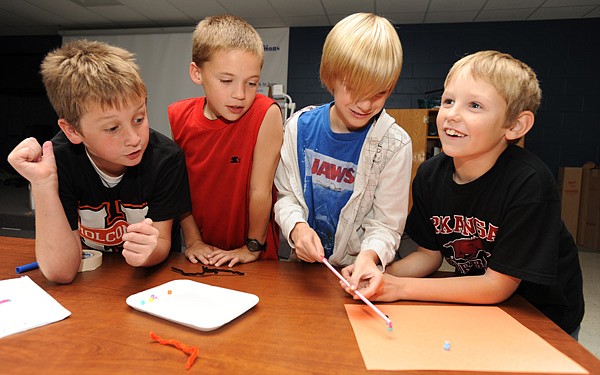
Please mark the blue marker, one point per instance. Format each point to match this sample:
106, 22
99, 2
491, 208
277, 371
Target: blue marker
27, 267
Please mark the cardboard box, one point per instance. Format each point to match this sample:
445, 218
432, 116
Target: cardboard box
588, 232
569, 186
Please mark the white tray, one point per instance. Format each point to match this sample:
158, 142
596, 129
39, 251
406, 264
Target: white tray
193, 304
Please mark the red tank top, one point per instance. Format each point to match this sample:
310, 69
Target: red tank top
219, 157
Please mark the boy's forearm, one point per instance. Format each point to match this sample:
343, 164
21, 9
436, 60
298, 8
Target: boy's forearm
370, 255
57, 246
420, 263
266, 158
482, 289
191, 233
260, 213
160, 253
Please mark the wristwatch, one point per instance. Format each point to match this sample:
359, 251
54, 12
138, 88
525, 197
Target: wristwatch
254, 246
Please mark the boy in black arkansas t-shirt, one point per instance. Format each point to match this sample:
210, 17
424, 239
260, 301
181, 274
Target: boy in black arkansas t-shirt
487, 206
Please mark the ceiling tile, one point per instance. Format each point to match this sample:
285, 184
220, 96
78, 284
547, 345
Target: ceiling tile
335, 18
24, 13
348, 7
569, 3
160, 12
266, 22
455, 5
198, 10
119, 14
560, 12
594, 13
10, 20
249, 9
54, 15
307, 21
31, 16
504, 15
69, 10
512, 4
287, 8
395, 6
450, 17
405, 18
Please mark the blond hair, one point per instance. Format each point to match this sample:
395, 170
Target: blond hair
84, 73
364, 52
224, 33
514, 80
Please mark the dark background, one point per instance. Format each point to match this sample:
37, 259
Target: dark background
565, 54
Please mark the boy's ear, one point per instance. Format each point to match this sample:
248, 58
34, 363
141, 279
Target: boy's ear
195, 74
70, 131
521, 126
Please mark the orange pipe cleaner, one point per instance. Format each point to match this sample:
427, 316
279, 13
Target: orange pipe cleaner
192, 351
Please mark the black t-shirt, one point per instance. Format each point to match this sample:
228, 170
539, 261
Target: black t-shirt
509, 220
156, 188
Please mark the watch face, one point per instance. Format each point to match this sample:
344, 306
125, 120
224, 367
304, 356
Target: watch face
254, 245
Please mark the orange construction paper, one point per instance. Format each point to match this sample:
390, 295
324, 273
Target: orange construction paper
481, 338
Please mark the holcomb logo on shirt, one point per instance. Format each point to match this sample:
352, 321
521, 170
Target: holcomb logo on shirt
110, 237
104, 225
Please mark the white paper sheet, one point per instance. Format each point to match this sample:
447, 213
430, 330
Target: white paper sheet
25, 305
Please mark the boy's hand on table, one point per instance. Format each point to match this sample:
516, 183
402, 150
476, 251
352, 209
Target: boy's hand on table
199, 251
307, 243
140, 240
391, 287
363, 276
235, 256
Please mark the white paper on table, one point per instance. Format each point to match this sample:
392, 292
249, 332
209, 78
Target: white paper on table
25, 305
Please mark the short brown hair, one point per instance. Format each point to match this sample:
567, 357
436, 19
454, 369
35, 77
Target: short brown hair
228, 33
83, 73
363, 50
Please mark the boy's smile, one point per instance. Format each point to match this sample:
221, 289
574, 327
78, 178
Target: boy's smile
348, 114
471, 121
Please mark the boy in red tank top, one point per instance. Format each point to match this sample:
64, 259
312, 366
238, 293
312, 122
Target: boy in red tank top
231, 138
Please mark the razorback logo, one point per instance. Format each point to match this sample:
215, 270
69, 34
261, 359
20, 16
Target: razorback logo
465, 248
467, 253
